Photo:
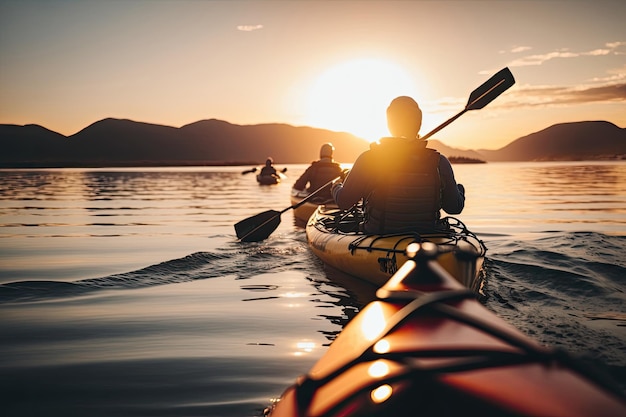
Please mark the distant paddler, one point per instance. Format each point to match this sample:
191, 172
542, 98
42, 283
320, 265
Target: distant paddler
269, 175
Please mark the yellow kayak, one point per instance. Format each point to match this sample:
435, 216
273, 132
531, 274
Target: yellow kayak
332, 235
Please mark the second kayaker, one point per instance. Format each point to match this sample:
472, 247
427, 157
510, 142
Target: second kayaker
319, 173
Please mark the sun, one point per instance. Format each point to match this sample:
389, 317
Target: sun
353, 96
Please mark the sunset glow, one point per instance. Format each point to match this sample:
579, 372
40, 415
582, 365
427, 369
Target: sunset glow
327, 64
352, 96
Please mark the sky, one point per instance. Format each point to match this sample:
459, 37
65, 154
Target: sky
65, 64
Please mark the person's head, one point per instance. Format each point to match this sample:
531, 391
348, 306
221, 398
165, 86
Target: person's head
404, 117
326, 151
269, 161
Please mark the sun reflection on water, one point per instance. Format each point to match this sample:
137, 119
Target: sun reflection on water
304, 347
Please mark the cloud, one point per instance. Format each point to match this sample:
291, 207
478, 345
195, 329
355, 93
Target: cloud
539, 59
516, 50
615, 45
615, 75
249, 28
610, 88
531, 96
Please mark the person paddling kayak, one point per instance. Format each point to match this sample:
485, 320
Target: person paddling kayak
319, 173
268, 170
403, 184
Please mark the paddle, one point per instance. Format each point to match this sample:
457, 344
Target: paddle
260, 226
248, 171
480, 97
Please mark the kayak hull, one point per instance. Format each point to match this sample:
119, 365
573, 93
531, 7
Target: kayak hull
268, 179
428, 347
375, 258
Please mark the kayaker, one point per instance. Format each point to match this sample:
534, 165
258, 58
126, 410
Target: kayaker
268, 170
403, 184
320, 172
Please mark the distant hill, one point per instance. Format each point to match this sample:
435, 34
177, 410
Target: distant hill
565, 142
118, 142
453, 152
29, 144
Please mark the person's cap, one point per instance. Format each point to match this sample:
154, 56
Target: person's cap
326, 151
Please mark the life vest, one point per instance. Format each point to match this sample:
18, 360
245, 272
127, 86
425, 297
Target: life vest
322, 173
406, 196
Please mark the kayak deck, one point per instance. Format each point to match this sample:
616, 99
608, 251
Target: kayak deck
428, 347
334, 237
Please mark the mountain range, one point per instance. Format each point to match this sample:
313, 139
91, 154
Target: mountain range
121, 142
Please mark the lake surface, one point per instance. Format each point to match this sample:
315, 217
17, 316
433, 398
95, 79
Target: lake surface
123, 292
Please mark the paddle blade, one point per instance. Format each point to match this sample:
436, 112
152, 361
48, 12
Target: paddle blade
259, 227
490, 89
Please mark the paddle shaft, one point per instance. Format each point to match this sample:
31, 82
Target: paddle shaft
249, 171
269, 220
313, 194
444, 124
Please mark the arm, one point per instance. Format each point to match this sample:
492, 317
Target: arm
453, 194
355, 186
301, 182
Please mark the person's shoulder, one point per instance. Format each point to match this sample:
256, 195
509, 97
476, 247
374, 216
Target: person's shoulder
442, 158
365, 153
444, 163
366, 157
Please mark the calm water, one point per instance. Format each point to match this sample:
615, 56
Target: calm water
123, 292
